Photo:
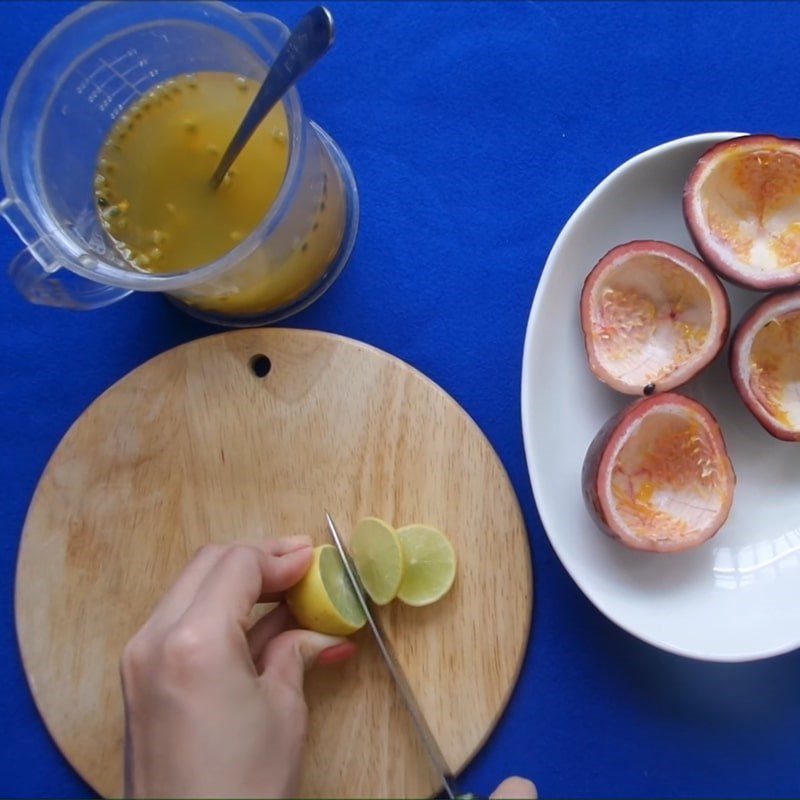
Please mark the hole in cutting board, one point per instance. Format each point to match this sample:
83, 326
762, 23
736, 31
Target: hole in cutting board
260, 365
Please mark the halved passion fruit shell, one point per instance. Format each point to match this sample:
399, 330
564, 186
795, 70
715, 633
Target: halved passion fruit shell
658, 477
765, 363
742, 207
653, 316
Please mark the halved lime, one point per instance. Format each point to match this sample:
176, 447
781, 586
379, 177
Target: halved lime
378, 559
430, 565
324, 599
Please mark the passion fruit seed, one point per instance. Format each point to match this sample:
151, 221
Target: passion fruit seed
649, 389
148, 246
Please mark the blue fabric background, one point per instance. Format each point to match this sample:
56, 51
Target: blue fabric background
474, 130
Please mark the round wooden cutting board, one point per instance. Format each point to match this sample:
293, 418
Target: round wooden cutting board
195, 447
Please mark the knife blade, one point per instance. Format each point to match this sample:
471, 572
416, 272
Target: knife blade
424, 733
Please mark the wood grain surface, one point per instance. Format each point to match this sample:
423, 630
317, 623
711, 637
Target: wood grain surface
193, 447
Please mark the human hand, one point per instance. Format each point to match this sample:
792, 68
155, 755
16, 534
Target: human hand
213, 709
515, 789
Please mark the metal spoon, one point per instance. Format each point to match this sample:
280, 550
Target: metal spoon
308, 42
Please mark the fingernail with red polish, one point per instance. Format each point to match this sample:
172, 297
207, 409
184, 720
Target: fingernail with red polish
339, 652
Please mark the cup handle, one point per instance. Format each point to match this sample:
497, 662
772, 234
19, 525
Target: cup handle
39, 276
59, 287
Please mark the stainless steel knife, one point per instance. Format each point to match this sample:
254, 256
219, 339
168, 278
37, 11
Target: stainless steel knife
395, 670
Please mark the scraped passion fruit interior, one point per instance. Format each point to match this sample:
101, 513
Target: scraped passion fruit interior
653, 316
742, 208
657, 477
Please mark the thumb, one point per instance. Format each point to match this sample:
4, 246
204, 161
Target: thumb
512, 788
291, 653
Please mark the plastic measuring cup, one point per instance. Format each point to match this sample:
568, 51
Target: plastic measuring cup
61, 107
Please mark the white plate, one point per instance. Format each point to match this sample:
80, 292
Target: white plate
735, 598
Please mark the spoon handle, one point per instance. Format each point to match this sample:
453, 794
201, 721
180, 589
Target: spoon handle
309, 41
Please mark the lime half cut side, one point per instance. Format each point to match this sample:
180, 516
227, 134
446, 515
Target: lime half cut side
324, 599
338, 586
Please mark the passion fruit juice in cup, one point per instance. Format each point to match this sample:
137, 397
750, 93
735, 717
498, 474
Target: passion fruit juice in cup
115, 125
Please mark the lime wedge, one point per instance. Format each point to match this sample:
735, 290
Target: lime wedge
430, 565
324, 599
378, 559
